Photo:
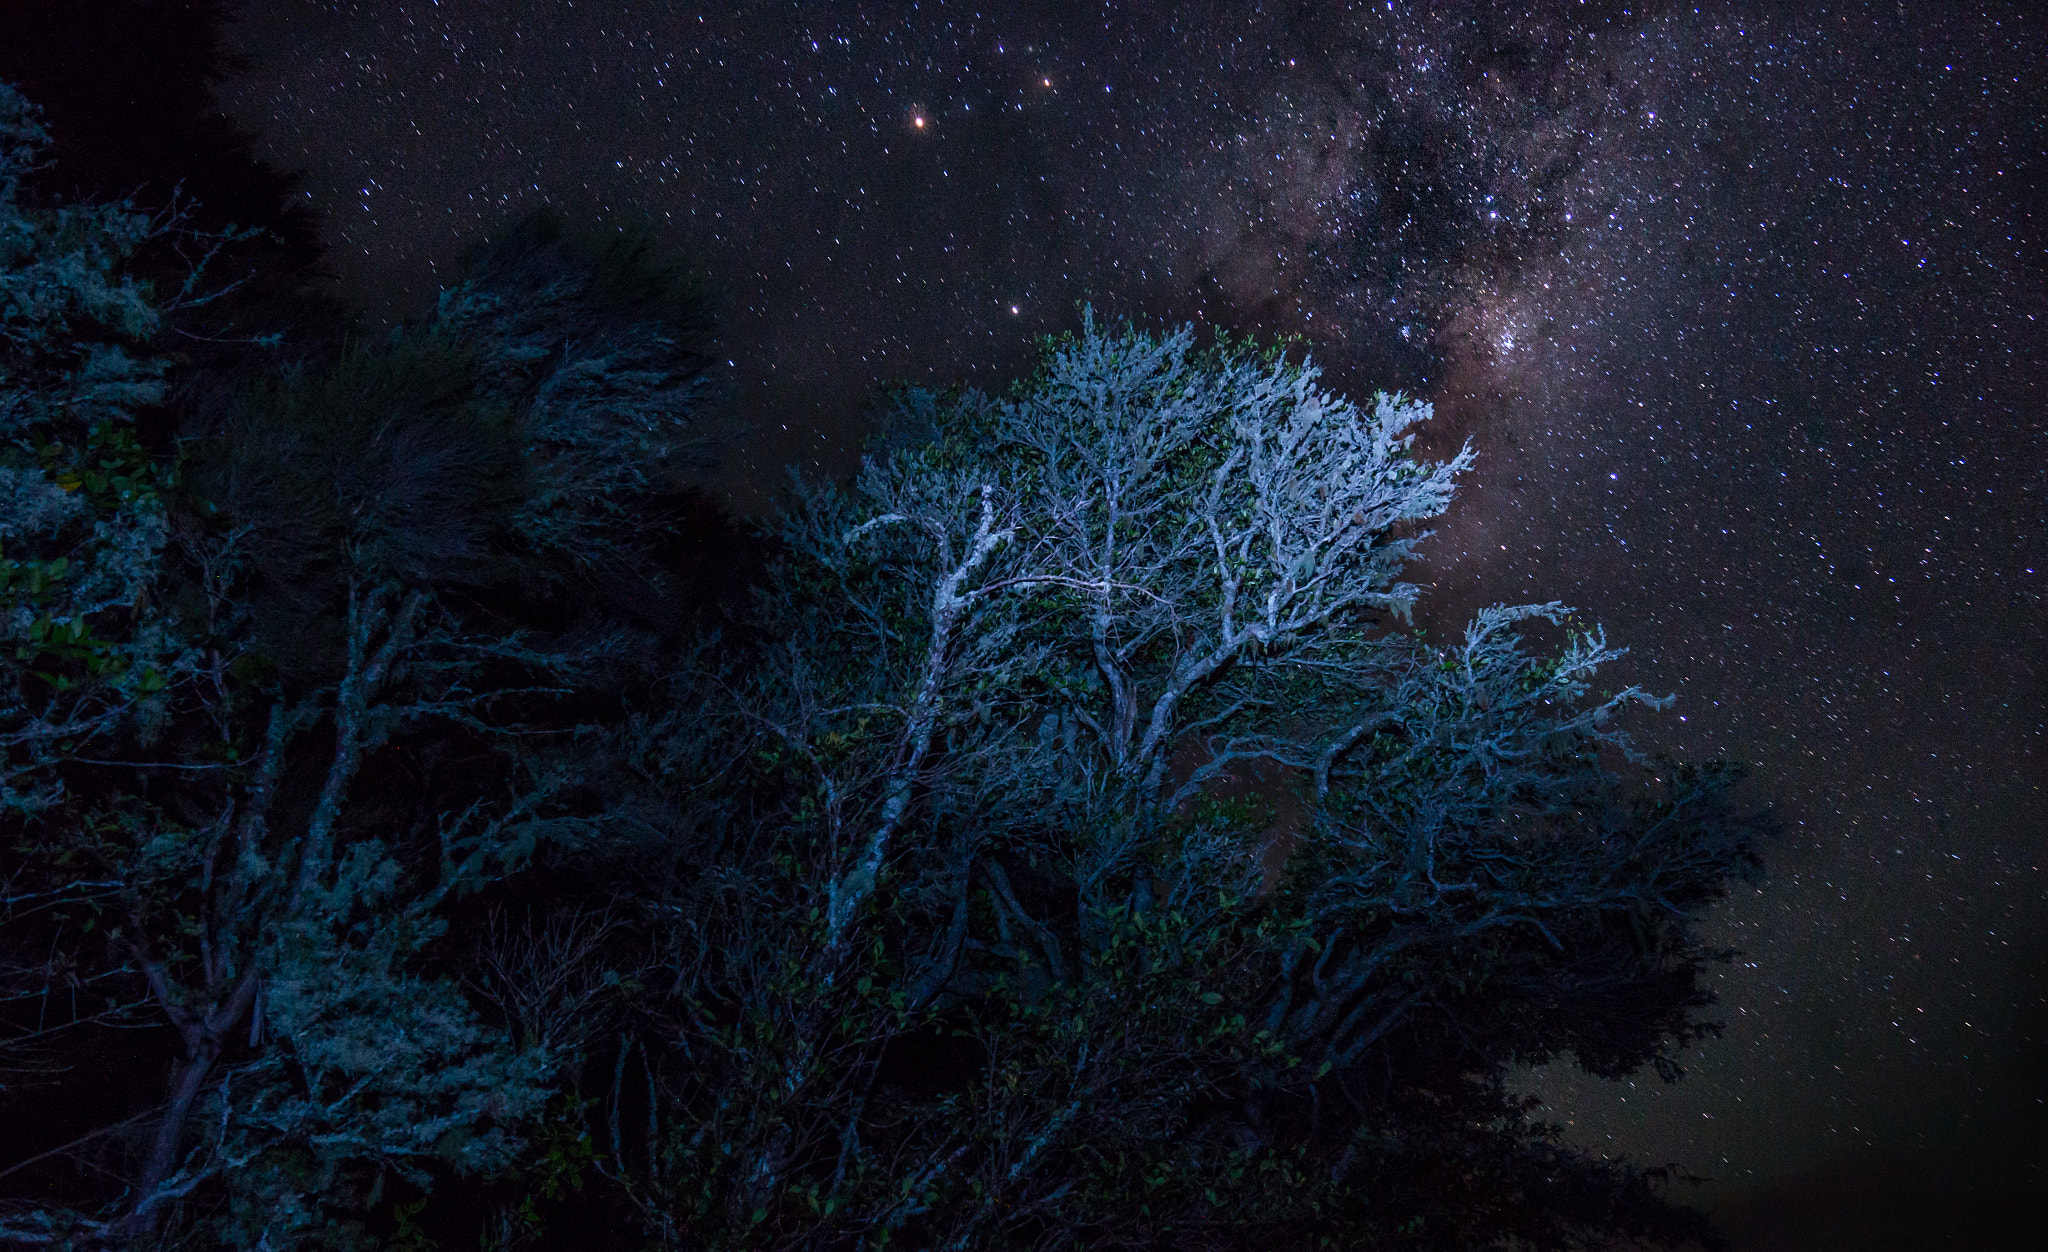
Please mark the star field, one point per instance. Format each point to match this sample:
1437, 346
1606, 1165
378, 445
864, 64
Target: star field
1743, 308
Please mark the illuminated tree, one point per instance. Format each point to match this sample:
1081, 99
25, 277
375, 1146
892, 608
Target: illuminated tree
967, 948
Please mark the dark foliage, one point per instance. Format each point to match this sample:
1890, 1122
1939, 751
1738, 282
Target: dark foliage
126, 90
410, 836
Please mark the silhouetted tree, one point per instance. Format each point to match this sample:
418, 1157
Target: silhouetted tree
208, 657
127, 93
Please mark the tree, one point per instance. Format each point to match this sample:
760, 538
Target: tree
365, 755
208, 656
960, 946
128, 94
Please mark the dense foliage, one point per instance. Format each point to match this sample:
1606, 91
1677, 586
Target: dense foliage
1068, 844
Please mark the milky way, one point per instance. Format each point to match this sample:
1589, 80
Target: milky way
1743, 313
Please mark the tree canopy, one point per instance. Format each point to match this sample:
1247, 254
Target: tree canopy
470, 877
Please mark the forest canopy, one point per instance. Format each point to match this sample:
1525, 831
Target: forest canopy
425, 822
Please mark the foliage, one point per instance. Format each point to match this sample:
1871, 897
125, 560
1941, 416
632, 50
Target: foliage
262, 738
356, 757
598, 345
953, 948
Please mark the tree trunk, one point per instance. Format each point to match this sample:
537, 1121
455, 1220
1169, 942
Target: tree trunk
204, 1040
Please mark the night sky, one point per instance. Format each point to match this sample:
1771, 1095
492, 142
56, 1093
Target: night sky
1744, 312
